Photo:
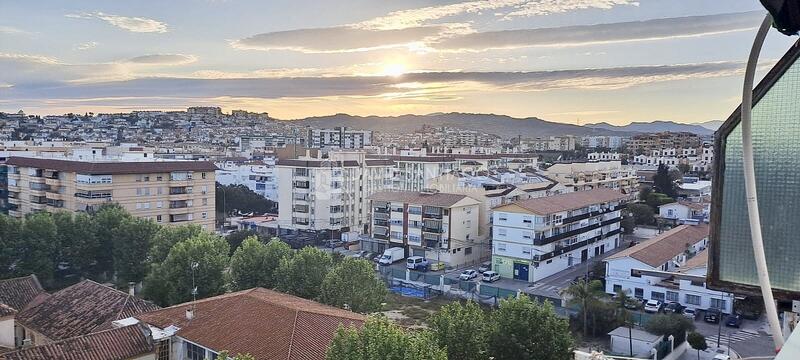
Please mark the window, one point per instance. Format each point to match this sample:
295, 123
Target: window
502, 232
159, 190
205, 201
718, 303
203, 175
138, 206
162, 350
672, 296
468, 251
159, 178
158, 218
692, 299
501, 247
638, 292
502, 217
159, 204
204, 189
139, 191
617, 288
147, 178
655, 295
194, 352
205, 215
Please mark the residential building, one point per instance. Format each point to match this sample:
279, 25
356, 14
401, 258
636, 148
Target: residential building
167, 192
439, 226
644, 143
263, 323
694, 188
685, 212
606, 142
329, 195
258, 176
78, 310
535, 238
134, 342
413, 173
624, 340
339, 137
552, 143
595, 175
670, 267
603, 156
15, 295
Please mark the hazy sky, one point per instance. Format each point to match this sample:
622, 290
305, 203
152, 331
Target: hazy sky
562, 60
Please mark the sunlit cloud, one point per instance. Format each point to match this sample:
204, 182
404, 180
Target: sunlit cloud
648, 30
163, 59
132, 24
10, 30
87, 45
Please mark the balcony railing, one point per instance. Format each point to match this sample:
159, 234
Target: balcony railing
431, 215
383, 210
430, 229
381, 236
379, 222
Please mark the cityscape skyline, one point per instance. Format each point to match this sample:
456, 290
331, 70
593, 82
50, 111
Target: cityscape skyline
624, 61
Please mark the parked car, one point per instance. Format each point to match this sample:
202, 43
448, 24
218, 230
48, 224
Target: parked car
690, 313
417, 263
468, 274
652, 306
674, 308
712, 315
490, 276
485, 267
734, 321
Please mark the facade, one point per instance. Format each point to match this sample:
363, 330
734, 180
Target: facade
167, 192
685, 212
644, 143
606, 142
603, 156
552, 143
439, 226
15, 295
339, 137
595, 175
670, 267
329, 196
258, 176
535, 238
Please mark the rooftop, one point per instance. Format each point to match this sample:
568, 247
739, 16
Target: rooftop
569, 201
660, 249
118, 343
17, 293
297, 328
118, 167
420, 198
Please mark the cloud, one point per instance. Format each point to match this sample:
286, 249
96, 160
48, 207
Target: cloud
657, 29
517, 8
42, 71
87, 45
338, 39
163, 59
10, 30
132, 24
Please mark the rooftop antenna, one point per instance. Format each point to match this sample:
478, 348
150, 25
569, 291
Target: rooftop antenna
194, 287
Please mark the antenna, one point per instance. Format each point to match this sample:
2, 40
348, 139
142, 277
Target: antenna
194, 287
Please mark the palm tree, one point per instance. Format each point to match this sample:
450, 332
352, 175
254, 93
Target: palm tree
623, 316
586, 294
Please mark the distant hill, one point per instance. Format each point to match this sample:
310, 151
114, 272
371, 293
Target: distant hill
712, 125
657, 126
502, 125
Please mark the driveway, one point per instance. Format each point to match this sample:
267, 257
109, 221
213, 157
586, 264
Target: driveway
751, 339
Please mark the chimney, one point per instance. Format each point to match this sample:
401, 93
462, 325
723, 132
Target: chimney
189, 313
132, 288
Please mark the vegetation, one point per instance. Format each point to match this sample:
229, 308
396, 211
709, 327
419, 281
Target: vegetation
585, 294
380, 339
697, 341
462, 330
131, 244
303, 273
230, 198
664, 182
628, 222
524, 329
352, 284
254, 263
642, 214
670, 324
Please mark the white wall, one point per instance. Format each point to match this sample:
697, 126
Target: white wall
7, 332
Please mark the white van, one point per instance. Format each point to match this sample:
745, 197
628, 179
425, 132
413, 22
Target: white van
416, 263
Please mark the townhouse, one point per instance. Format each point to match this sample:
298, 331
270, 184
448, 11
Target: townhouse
535, 238
168, 192
671, 267
439, 226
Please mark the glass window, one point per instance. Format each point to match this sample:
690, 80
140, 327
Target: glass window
672, 296
638, 292
194, 352
655, 295
718, 303
617, 288
692, 299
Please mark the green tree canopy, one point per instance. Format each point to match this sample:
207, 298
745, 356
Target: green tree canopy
107, 218
353, 283
670, 324
303, 273
664, 181
241, 198
78, 239
167, 237
10, 236
205, 255
462, 330
585, 294
131, 245
697, 341
642, 213
524, 329
380, 339
38, 249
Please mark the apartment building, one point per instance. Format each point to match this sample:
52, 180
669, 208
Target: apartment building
329, 195
535, 238
670, 267
439, 226
644, 143
413, 173
582, 176
607, 142
168, 192
258, 176
603, 156
552, 143
339, 137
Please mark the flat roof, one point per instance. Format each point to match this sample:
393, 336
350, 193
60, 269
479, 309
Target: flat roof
419, 198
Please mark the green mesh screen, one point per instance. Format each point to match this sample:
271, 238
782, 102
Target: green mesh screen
776, 141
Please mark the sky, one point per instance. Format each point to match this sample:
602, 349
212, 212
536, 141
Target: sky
571, 61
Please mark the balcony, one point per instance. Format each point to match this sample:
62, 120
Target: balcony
179, 204
381, 236
14, 213
547, 240
431, 215
432, 229
96, 196
301, 184
179, 190
379, 222
381, 210
381, 216
180, 218
13, 201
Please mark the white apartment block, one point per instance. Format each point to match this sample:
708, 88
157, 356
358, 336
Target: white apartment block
670, 267
535, 238
552, 143
603, 156
681, 212
608, 142
595, 175
441, 227
258, 176
329, 195
339, 137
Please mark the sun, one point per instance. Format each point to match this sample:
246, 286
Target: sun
393, 69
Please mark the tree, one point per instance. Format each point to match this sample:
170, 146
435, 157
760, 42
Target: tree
643, 214
37, 250
241, 198
380, 339
131, 245
236, 238
167, 237
303, 273
684, 168
461, 329
586, 294
628, 223
200, 260
697, 341
623, 301
524, 329
10, 235
645, 192
224, 355
664, 182
106, 219
670, 324
78, 239
352, 284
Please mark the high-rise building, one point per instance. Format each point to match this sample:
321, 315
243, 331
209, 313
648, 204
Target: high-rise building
339, 137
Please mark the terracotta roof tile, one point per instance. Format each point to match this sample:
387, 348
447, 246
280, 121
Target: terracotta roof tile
569, 201
17, 293
660, 249
114, 344
81, 309
419, 198
298, 328
118, 167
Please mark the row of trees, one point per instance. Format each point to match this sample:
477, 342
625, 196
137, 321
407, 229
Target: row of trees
231, 198
519, 329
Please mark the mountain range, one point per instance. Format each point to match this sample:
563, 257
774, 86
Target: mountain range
503, 125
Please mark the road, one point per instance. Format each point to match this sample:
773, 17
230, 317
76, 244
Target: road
749, 340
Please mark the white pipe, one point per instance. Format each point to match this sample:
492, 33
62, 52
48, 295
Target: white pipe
750, 185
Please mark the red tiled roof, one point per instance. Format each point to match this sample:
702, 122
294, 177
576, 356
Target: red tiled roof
81, 309
17, 293
114, 344
569, 201
263, 323
660, 249
419, 198
119, 167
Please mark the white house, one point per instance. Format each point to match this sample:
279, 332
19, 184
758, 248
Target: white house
685, 212
670, 267
623, 338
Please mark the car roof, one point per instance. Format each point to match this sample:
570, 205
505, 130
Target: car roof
489, 272
415, 257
